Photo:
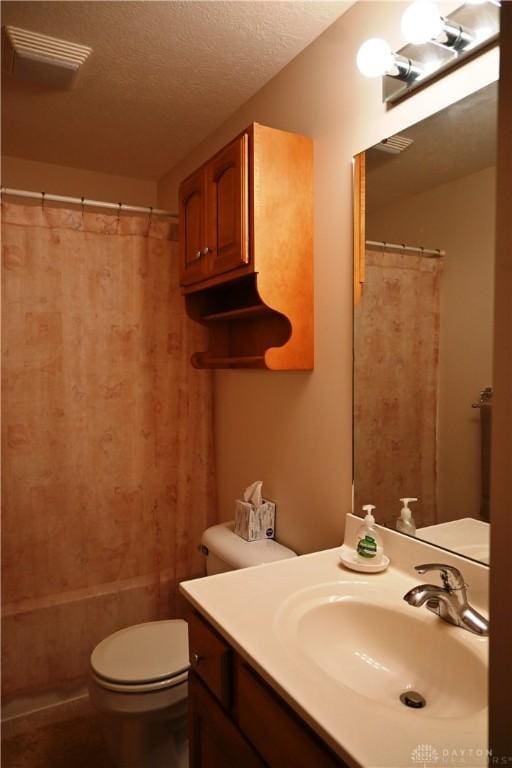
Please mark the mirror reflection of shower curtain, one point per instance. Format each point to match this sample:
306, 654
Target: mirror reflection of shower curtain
396, 359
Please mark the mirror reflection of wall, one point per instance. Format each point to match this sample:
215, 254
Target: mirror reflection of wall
423, 327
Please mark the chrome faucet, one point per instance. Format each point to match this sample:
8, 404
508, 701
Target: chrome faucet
449, 601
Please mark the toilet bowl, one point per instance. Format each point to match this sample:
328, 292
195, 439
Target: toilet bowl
138, 684
138, 675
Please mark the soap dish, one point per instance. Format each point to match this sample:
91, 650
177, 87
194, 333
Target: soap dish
348, 557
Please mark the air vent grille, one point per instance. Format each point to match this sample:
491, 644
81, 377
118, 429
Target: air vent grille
394, 145
40, 58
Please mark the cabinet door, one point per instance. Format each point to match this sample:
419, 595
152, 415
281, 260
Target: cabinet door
211, 658
277, 733
193, 262
214, 742
227, 208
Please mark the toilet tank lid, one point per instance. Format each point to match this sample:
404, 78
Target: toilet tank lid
143, 653
222, 541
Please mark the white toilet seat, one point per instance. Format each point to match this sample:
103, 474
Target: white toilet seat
142, 658
157, 685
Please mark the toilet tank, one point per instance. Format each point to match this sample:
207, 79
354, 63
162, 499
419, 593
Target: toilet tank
225, 551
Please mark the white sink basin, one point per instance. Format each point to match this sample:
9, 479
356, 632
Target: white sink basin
467, 536
375, 644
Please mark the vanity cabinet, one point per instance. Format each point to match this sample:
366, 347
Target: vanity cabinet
246, 251
215, 741
236, 719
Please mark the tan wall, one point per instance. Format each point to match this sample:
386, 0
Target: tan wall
18, 173
459, 218
294, 430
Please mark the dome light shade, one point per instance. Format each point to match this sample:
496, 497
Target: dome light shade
375, 58
421, 22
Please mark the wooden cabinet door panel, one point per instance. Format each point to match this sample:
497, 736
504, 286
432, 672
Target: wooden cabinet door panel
214, 742
278, 735
210, 657
193, 260
227, 208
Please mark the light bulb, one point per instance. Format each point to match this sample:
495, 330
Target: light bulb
421, 22
375, 58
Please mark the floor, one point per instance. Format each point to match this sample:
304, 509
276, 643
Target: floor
75, 743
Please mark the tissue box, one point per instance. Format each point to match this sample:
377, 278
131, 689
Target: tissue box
253, 523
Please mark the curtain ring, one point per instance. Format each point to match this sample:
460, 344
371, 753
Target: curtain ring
119, 211
149, 220
42, 200
82, 200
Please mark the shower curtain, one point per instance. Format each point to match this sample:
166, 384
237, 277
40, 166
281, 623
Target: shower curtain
107, 438
396, 355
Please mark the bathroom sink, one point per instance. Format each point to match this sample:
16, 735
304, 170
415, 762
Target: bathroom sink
368, 640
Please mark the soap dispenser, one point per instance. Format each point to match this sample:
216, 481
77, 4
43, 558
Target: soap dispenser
368, 541
405, 523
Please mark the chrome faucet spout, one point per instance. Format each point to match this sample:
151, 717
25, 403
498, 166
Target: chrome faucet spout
448, 601
418, 596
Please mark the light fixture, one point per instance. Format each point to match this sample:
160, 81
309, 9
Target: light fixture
376, 59
436, 43
422, 22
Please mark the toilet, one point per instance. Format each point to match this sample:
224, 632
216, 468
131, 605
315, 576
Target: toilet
138, 676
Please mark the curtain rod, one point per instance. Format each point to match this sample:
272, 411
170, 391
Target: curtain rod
43, 196
430, 253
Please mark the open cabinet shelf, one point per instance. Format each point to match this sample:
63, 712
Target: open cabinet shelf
237, 314
202, 360
242, 329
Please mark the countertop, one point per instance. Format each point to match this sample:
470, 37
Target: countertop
246, 607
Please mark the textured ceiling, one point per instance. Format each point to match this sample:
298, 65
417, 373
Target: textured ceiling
162, 76
453, 143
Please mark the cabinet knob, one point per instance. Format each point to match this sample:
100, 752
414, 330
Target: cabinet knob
198, 255
196, 658
205, 251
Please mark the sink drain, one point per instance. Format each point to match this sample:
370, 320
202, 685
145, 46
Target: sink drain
413, 699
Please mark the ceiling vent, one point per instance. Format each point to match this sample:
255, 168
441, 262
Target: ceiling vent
394, 145
42, 59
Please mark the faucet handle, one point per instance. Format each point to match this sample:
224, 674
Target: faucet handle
451, 577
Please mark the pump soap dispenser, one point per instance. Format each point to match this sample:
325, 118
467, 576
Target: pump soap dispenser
368, 542
405, 523
367, 556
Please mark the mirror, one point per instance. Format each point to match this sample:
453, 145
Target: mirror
423, 317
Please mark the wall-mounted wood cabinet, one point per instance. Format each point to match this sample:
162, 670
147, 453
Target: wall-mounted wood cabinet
214, 215
246, 249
